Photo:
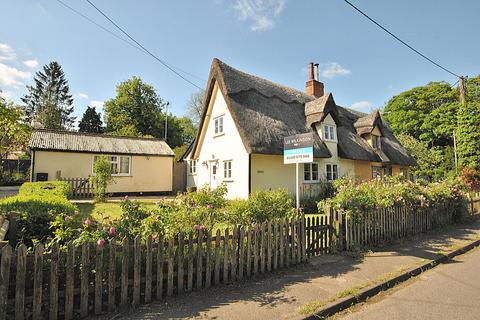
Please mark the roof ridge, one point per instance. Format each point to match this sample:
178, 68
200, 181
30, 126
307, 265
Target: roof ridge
100, 135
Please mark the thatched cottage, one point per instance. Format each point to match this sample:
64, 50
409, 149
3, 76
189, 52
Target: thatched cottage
245, 119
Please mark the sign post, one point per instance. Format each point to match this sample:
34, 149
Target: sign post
298, 149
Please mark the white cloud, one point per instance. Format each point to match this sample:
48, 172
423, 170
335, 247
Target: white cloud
6, 52
262, 13
97, 104
82, 95
361, 105
32, 63
333, 69
12, 77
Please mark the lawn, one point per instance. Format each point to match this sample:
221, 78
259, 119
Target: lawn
106, 211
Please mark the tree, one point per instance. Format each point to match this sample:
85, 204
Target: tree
102, 170
48, 103
15, 133
91, 121
136, 110
468, 135
195, 106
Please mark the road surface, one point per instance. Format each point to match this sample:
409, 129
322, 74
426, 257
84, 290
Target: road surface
449, 291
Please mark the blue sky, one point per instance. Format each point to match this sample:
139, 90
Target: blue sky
274, 39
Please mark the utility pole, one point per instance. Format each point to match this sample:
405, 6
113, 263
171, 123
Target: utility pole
166, 120
462, 90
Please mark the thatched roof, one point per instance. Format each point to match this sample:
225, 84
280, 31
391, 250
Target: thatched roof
53, 140
265, 112
367, 123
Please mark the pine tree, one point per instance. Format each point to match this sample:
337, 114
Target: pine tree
91, 121
48, 103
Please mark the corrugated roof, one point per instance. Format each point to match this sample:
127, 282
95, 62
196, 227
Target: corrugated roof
98, 143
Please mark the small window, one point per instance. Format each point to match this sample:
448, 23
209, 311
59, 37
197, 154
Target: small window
404, 172
120, 165
331, 172
218, 125
310, 172
193, 167
227, 169
376, 172
376, 142
329, 132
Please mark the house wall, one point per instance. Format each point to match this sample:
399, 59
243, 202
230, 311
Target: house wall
215, 149
147, 173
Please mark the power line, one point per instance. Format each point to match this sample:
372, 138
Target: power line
138, 46
400, 40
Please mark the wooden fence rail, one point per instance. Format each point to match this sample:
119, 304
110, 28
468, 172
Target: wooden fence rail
81, 187
85, 280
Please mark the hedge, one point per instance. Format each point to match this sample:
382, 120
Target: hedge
55, 188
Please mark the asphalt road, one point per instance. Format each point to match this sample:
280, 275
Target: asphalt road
449, 291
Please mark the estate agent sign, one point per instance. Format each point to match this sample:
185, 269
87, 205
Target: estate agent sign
298, 148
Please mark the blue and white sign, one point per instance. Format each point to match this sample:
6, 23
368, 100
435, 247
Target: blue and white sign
298, 148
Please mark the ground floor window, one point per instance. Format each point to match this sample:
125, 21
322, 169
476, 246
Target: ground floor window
120, 164
376, 172
192, 167
310, 172
331, 172
404, 172
227, 169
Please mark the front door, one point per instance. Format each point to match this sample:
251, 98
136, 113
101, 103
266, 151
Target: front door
213, 175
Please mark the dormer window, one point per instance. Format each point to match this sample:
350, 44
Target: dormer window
329, 132
218, 125
376, 142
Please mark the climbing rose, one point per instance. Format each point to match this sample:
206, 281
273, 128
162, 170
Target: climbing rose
126, 198
87, 222
158, 217
100, 242
67, 218
112, 231
209, 206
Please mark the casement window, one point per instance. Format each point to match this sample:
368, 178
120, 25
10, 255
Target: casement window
192, 167
310, 172
218, 121
329, 132
331, 172
377, 172
376, 142
120, 165
227, 169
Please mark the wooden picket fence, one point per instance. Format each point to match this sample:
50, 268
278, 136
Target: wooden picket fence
86, 280
475, 203
389, 224
318, 232
81, 187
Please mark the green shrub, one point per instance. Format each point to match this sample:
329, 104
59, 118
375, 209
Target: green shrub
262, 206
36, 212
102, 177
54, 188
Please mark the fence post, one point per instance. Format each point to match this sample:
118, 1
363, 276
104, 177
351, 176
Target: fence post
53, 303
5, 265
20, 282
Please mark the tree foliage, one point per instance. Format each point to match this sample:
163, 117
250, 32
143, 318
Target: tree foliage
195, 106
102, 177
468, 133
91, 121
15, 133
49, 103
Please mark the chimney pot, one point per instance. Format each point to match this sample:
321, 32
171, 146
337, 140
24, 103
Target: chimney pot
312, 74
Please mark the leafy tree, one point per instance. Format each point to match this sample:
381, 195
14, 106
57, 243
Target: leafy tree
91, 121
189, 131
49, 103
468, 135
135, 111
102, 170
15, 133
195, 106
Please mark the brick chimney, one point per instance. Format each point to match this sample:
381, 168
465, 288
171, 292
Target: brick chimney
313, 87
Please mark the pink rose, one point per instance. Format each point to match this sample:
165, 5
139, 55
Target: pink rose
158, 217
87, 222
67, 218
100, 243
112, 231
126, 198
209, 206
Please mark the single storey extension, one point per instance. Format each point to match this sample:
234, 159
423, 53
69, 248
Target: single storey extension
139, 165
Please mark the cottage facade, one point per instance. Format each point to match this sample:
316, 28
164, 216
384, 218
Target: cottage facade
244, 122
139, 165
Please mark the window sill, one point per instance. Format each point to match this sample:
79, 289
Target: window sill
121, 175
228, 180
192, 174
329, 140
219, 134
311, 181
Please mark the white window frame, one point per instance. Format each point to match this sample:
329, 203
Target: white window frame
227, 170
219, 125
309, 168
378, 144
192, 167
117, 162
334, 173
329, 132
380, 170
